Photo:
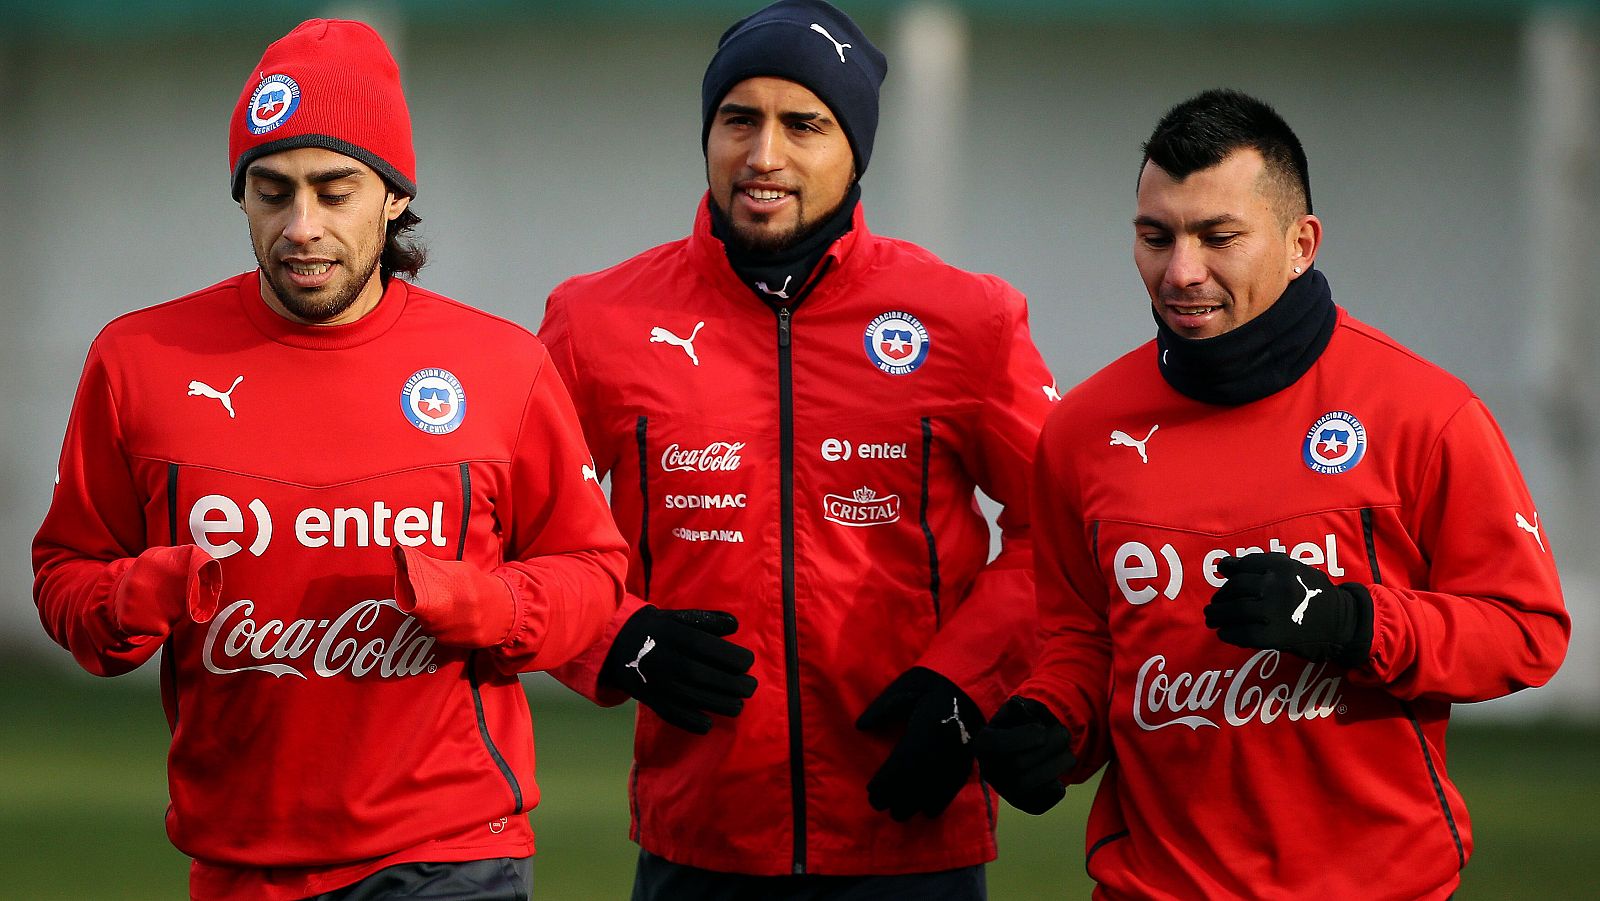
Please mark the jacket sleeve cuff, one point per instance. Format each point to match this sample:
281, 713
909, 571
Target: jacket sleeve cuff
164, 585
582, 673
455, 602
1358, 651
983, 684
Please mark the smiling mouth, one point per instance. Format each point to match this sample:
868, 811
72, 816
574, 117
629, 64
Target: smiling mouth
1195, 310
762, 195
308, 270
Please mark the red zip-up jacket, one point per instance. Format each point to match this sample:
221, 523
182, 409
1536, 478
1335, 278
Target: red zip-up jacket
1237, 773
269, 472
812, 470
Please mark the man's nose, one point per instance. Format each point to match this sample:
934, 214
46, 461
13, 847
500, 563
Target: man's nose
305, 219
1186, 267
767, 149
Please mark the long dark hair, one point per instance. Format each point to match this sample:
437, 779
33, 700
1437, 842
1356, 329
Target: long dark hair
403, 254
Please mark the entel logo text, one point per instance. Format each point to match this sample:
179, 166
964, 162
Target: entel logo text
215, 516
1134, 562
836, 449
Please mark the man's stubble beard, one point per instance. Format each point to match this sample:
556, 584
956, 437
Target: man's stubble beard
329, 308
765, 243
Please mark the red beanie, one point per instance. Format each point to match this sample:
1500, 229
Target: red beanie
332, 84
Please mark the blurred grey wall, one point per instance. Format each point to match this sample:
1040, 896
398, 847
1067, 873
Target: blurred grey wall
555, 144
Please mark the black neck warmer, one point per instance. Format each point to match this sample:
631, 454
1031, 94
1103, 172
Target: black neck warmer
1261, 357
778, 277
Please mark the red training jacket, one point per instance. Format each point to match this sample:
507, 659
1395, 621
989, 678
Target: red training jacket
812, 472
268, 472
1237, 773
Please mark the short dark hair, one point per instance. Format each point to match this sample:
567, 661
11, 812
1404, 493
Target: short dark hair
1205, 129
403, 254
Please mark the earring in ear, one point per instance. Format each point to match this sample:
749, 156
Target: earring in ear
1297, 270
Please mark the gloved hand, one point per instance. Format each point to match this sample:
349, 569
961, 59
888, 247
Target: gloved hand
1272, 600
1023, 753
679, 664
933, 759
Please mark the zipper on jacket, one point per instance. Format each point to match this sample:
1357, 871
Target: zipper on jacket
791, 625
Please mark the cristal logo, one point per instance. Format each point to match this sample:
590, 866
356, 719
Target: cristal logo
718, 456
1138, 573
217, 523
862, 508
1237, 697
350, 643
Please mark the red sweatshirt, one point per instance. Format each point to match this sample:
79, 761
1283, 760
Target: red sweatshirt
1237, 773
236, 489
813, 472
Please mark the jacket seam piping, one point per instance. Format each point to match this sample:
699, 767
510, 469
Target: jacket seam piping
483, 732
641, 429
168, 653
1095, 848
1372, 545
927, 530
633, 803
1438, 787
466, 509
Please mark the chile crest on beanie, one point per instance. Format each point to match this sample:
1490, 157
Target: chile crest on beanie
811, 43
329, 83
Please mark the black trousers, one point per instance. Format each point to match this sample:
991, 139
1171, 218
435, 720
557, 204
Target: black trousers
659, 879
496, 879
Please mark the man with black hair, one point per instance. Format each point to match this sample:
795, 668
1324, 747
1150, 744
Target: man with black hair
1262, 617
796, 414
346, 510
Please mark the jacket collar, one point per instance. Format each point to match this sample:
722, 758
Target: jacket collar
374, 324
706, 253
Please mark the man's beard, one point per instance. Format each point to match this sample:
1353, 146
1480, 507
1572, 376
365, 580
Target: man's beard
762, 242
326, 308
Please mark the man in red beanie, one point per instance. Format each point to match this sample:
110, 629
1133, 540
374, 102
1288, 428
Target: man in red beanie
796, 415
347, 510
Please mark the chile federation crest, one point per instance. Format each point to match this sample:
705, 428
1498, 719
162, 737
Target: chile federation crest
275, 100
1335, 443
434, 401
896, 342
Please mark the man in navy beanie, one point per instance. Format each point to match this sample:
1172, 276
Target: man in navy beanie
796, 414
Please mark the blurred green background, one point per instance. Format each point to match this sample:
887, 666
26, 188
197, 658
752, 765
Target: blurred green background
83, 789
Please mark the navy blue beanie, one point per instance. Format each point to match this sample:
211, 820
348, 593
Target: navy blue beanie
811, 43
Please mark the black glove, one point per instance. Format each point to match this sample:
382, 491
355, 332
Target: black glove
1023, 753
677, 663
933, 759
1272, 600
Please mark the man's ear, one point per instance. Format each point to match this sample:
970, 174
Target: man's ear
394, 205
1305, 239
